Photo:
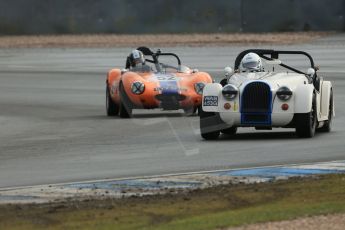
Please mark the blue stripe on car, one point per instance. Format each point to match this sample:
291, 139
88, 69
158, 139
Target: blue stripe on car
169, 87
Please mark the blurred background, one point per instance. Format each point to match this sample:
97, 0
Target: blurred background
30, 17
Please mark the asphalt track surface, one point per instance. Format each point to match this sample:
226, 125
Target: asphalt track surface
53, 126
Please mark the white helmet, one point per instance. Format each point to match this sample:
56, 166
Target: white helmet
137, 57
251, 62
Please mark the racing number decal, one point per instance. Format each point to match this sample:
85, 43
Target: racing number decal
166, 78
210, 101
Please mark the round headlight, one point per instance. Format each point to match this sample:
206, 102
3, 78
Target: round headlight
230, 92
137, 87
284, 93
199, 87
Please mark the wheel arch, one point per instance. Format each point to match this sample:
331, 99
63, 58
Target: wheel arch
326, 90
113, 75
304, 98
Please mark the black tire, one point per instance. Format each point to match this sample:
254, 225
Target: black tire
327, 126
111, 107
209, 125
229, 131
306, 123
191, 111
126, 107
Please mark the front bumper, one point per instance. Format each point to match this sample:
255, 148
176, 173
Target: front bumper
276, 120
166, 101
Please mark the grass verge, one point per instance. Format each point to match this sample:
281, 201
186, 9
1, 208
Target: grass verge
212, 208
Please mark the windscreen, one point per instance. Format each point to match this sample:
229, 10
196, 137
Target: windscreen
168, 64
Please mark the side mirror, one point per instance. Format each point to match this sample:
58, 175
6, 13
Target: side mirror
311, 72
228, 71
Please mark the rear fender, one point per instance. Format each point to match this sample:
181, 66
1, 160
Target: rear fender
304, 98
214, 90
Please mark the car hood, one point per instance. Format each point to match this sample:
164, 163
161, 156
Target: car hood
274, 79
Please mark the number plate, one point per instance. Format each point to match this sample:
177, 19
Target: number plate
210, 101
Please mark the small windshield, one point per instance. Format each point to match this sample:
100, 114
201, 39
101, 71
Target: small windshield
168, 64
161, 63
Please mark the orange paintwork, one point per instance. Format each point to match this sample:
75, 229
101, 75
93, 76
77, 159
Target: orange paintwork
185, 84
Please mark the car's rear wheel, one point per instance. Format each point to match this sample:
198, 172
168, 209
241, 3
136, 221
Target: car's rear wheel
111, 107
306, 123
126, 107
229, 131
209, 125
327, 126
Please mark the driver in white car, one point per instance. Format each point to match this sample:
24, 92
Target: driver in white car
251, 67
251, 62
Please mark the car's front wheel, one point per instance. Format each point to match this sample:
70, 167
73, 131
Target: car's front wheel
209, 125
306, 123
111, 107
192, 111
125, 109
229, 131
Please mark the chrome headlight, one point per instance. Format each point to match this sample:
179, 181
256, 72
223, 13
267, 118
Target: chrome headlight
284, 93
230, 92
137, 87
199, 87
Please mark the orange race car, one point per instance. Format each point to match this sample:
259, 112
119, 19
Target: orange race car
151, 80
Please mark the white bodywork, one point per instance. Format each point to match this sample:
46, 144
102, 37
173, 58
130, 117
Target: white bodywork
300, 101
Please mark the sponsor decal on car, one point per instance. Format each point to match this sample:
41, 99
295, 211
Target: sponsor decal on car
169, 88
210, 101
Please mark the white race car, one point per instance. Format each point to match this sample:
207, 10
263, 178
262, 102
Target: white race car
287, 98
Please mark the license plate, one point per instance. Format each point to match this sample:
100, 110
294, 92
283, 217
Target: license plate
210, 101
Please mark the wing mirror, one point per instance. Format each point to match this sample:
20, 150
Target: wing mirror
228, 71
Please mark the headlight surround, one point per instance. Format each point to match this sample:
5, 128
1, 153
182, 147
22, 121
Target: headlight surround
284, 93
137, 87
199, 87
230, 92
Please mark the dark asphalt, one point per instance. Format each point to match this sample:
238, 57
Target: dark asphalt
53, 126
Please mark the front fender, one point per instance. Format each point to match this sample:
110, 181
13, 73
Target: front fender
304, 98
326, 90
211, 90
113, 75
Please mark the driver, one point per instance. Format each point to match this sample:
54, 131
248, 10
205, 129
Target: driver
137, 61
251, 62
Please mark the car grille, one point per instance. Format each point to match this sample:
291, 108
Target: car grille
256, 104
170, 101
170, 97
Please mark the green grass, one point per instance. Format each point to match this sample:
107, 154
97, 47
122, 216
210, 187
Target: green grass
213, 208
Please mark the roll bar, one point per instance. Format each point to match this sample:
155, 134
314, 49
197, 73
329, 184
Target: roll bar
274, 54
